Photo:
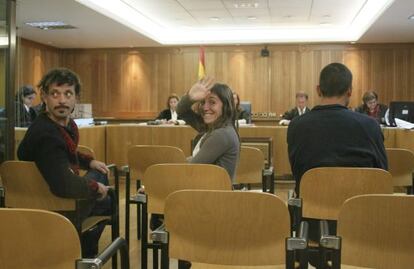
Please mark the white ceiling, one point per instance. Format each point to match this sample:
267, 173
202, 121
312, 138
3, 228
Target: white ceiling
94, 30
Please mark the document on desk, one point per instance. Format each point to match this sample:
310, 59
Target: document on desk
404, 124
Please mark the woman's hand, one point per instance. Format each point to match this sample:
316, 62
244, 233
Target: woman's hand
201, 89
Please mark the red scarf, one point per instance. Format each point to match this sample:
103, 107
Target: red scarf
71, 144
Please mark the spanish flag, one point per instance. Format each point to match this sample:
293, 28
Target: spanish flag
201, 64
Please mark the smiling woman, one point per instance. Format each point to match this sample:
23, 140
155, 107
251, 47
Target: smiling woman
209, 108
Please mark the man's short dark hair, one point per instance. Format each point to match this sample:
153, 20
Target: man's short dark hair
335, 80
26, 90
60, 76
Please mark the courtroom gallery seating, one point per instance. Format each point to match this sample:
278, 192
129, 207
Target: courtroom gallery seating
39, 239
26, 188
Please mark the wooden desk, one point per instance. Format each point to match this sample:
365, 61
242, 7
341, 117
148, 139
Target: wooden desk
111, 142
120, 137
94, 137
404, 139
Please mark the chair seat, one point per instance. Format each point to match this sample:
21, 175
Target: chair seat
90, 222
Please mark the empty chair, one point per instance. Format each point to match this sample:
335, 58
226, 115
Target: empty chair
26, 188
160, 180
39, 239
140, 157
228, 228
377, 231
250, 167
323, 190
401, 167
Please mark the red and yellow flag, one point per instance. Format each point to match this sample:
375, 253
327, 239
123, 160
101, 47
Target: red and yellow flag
201, 64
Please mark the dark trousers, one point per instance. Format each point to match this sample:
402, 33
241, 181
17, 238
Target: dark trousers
90, 239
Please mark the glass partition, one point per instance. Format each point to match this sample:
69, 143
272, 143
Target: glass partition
7, 60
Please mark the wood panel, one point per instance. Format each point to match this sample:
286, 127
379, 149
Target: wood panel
177, 136
120, 137
94, 137
404, 139
280, 154
130, 82
33, 61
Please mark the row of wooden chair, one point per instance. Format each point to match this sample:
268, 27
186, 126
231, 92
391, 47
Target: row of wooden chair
39, 239
251, 229
25, 187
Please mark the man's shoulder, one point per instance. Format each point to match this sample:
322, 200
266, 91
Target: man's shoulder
41, 125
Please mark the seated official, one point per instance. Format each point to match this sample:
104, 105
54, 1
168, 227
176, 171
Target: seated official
169, 115
299, 110
25, 114
243, 117
372, 108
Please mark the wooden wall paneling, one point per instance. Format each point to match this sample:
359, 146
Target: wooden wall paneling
382, 76
353, 60
120, 137
162, 81
283, 80
33, 61
258, 90
136, 81
403, 72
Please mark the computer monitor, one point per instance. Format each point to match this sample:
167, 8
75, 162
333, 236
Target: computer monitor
402, 110
247, 106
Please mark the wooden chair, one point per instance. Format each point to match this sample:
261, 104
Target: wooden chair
39, 239
323, 190
25, 187
250, 167
112, 167
265, 145
401, 167
228, 228
160, 180
140, 157
377, 231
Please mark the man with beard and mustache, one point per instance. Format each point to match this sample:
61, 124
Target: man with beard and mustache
51, 142
332, 135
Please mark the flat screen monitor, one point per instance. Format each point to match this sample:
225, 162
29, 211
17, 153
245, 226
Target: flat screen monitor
247, 106
401, 110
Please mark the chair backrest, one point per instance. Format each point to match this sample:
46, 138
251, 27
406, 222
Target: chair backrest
250, 166
401, 166
140, 157
86, 150
323, 190
25, 187
160, 180
37, 239
265, 144
377, 231
227, 227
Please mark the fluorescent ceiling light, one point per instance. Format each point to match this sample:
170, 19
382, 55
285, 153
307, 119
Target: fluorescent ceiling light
152, 27
42, 24
411, 17
4, 41
50, 25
